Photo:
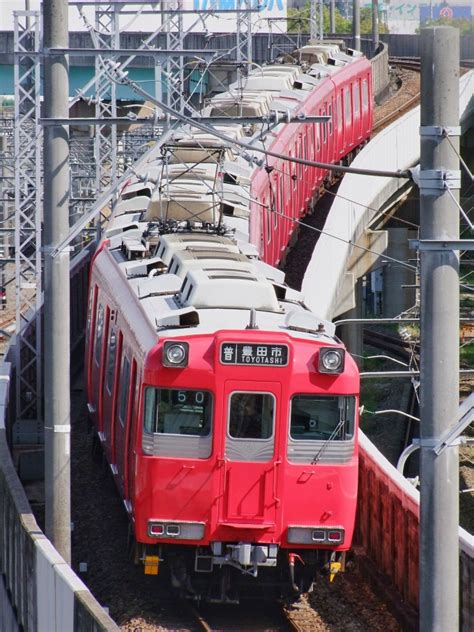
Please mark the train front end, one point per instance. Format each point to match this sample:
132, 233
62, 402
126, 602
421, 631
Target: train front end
246, 460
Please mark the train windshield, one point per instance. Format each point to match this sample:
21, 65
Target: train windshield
322, 418
178, 411
251, 415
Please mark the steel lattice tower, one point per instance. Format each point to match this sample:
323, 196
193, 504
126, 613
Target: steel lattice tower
28, 217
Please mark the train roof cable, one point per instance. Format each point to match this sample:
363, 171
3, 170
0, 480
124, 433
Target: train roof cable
112, 68
369, 208
346, 241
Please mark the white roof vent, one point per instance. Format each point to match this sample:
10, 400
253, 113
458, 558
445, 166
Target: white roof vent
227, 288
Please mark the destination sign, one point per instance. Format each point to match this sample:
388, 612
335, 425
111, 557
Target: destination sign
259, 354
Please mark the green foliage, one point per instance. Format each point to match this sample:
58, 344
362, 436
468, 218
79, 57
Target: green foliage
465, 26
299, 21
366, 22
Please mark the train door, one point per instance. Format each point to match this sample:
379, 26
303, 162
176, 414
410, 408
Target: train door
90, 329
112, 388
250, 459
120, 424
124, 422
131, 439
97, 370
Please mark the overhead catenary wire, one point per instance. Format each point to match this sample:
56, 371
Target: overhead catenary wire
121, 77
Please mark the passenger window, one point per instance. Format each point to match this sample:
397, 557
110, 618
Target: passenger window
251, 415
111, 360
276, 204
330, 122
305, 150
339, 111
269, 220
347, 105
324, 126
356, 94
322, 418
124, 386
99, 332
178, 411
365, 95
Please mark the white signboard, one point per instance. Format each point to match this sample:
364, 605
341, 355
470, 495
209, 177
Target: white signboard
142, 20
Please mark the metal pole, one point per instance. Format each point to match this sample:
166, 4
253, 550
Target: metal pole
332, 17
439, 386
356, 24
56, 295
375, 24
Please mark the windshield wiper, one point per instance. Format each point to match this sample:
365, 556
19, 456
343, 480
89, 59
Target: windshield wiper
333, 435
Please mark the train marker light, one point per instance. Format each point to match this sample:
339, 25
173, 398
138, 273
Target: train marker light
175, 354
331, 360
156, 529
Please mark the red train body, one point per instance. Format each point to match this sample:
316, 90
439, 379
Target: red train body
226, 409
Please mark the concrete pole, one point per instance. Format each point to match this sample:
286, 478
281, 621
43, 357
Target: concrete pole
332, 17
439, 220
375, 24
56, 294
356, 24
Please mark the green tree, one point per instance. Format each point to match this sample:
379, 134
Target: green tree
366, 22
299, 21
465, 26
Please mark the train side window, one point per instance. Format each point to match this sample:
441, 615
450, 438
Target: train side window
339, 111
111, 360
251, 415
124, 387
276, 202
317, 128
347, 105
281, 183
356, 96
365, 95
330, 122
305, 150
324, 126
99, 332
178, 411
268, 220
322, 418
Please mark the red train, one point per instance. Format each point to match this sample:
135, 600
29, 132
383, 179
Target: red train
226, 409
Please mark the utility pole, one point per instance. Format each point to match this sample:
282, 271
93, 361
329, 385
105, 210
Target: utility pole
332, 17
356, 24
439, 220
56, 294
375, 24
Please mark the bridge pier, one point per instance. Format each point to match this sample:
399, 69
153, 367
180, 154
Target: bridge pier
397, 297
353, 334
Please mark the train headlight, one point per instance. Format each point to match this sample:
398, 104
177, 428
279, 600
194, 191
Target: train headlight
331, 360
175, 354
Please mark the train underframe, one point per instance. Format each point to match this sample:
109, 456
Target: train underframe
227, 572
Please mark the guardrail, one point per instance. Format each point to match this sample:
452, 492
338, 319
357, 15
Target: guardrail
387, 534
44, 593
380, 72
